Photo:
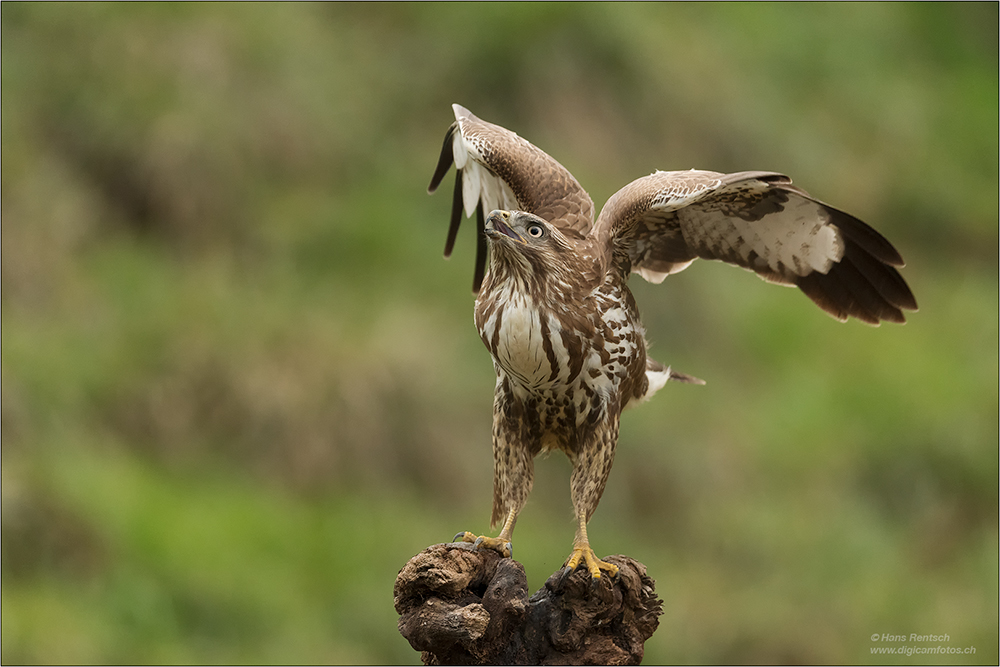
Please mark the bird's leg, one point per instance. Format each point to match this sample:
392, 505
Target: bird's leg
501, 542
582, 553
513, 474
590, 473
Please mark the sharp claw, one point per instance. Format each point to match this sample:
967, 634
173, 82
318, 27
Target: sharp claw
464, 536
564, 577
505, 549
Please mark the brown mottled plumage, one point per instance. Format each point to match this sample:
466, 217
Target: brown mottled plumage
554, 307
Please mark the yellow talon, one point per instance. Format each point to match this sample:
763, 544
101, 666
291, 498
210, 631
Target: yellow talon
594, 564
498, 544
501, 543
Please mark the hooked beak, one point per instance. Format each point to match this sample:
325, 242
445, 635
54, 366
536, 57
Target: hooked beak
496, 224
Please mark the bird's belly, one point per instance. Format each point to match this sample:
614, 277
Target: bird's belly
565, 375
531, 346
523, 345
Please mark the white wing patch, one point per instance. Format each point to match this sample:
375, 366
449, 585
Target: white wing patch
460, 149
797, 239
657, 277
472, 181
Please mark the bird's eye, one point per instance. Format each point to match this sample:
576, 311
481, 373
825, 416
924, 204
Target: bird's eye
535, 231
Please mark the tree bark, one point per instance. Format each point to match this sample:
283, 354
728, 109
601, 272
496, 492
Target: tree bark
462, 605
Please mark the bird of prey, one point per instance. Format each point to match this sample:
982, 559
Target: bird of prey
555, 311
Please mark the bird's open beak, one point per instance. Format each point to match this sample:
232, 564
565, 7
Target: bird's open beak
496, 223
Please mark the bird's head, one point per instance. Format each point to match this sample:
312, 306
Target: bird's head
526, 247
523, 228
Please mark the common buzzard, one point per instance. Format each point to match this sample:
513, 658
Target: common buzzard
555, 311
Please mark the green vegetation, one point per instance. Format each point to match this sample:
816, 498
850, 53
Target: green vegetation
240, 388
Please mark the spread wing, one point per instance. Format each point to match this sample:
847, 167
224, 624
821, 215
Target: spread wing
761, 222
496, 169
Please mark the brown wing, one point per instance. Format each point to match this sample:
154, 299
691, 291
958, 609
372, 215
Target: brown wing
496, 169
761, 222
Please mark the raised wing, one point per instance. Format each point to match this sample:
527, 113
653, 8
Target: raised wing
761, 222
496, 169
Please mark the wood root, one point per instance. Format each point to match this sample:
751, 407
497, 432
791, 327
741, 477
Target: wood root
462, 605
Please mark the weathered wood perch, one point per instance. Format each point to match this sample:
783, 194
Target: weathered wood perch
461, 605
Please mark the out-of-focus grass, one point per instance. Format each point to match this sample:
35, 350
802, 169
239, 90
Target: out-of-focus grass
240, 388
205, 566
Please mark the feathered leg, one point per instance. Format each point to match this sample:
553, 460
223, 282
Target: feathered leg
513, 472
590, 474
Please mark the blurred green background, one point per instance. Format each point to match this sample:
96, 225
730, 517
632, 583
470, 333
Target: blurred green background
240, 387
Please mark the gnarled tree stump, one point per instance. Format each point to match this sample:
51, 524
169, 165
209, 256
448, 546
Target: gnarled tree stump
462, 605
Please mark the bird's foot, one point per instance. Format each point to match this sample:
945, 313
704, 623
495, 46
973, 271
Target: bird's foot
585, 555
499, 544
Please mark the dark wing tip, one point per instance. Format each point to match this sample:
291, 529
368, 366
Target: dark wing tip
865, 236
860, 285
856, 230
456, 214
445, 161
477, 278
864, 283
